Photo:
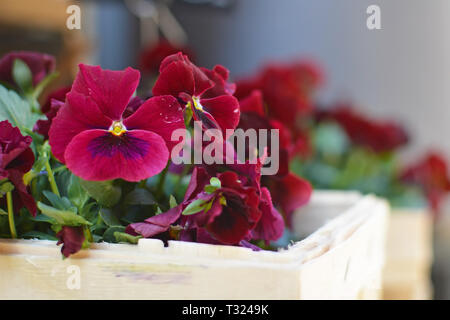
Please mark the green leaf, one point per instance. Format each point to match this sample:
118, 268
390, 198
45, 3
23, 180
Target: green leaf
76, 193
39, 235
139, 196
22, 76
109, 218
16, 110
215, 182
63, 217
125, 237
105, 192
172, 202
330, 139
195, 207
3, 212
58, 202
108, 236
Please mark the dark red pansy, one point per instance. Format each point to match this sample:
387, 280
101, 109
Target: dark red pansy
152, 56
59, 95
93, 138
380, 136
40, 65
431, 174
288, 193
234, 209
206, 94
71, 238
16, 159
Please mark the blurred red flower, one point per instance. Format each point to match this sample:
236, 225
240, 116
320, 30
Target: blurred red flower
152, 56
431, 174
40, 65
380, 136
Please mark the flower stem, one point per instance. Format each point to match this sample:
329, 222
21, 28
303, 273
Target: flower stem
12, 225
51, 179
162, 179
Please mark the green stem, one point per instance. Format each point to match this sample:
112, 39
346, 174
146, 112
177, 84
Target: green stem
51, 179
162, 179
12, 225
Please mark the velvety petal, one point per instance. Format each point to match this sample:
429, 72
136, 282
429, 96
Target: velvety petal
162, 115
253, 103
39, 64
59, 94
72, 239
219, 76
13, 145
99, 155
178, 74
176, 78
156, 224
271, 225
79, 113
289, 193
230, 227
111, 90
224, 109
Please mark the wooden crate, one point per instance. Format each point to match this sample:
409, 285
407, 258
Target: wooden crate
341, 259
407, 273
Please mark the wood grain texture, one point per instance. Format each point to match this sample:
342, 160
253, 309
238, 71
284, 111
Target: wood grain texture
342, 259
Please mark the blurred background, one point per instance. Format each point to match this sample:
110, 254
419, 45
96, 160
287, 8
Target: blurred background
401, 71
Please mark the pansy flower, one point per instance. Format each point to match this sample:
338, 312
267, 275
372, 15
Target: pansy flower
39, 64
71, 238
93, 138
205, 92
16, 159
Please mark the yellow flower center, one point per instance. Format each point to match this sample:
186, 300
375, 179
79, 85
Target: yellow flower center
197, 104
117, 128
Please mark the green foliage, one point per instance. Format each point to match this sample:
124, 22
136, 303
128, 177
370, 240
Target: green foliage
16, 110
63, 217
105, 192
22, 76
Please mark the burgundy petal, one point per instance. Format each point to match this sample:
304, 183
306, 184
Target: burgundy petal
156, 224
224, 109
111, 90
162, 115
79, 113
271, 225
99, 155
72, 239
289, 192
39, 64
